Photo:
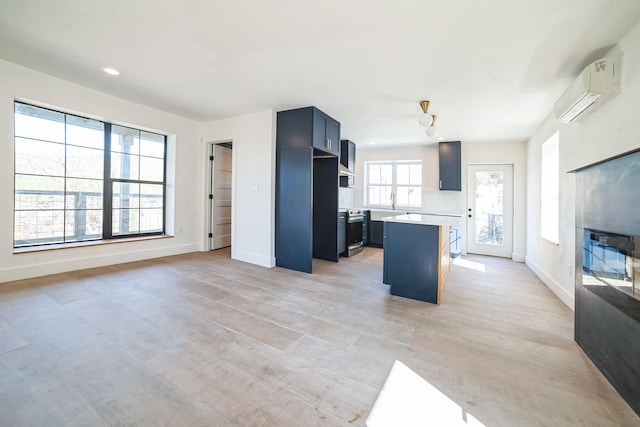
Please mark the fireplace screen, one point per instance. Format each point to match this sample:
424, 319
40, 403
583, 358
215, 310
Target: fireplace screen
610, 260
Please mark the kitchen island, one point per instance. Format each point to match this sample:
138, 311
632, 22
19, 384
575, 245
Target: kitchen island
416, 255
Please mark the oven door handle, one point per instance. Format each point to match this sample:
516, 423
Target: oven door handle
357, 245
612, 241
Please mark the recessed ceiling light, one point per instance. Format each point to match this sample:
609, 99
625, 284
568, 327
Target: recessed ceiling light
441, 138
112, 71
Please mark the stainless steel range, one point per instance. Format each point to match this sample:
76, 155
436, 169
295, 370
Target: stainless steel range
354, 231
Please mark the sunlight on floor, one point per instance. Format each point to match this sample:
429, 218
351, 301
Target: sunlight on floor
470, 264
406, 399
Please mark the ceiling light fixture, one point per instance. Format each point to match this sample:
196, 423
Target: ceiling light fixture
431, 130
111, 71
427, 120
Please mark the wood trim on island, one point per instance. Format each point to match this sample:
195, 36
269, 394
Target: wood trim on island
445, 260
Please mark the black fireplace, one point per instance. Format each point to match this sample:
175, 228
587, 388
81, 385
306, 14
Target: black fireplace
607, 316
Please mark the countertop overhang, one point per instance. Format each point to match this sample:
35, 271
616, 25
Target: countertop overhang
425, 219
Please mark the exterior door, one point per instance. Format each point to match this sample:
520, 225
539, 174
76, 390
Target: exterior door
220, 197
490, 210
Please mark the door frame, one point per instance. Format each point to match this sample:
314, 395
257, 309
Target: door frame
468, 188
207, 143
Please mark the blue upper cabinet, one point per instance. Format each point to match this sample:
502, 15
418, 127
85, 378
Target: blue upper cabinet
450, 161
326, 133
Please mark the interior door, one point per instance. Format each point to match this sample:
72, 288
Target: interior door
490, 210
220, 197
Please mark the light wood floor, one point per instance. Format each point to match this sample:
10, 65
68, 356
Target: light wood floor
200, 339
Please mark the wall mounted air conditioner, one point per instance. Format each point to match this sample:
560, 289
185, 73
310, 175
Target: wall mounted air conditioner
597, 84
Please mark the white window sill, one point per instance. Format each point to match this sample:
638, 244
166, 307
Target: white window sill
58, 246
549, 241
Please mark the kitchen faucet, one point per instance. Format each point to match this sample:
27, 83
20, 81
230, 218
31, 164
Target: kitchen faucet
393, 202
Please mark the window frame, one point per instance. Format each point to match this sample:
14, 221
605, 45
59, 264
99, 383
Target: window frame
107, 185
109, 182
394, 183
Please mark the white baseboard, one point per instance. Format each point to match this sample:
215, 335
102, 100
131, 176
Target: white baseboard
253, 258
518, 257
40, 268
567, 297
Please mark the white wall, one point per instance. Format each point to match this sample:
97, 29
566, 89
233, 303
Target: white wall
611, 130
183, 152
436, 201
253, 175
346, 198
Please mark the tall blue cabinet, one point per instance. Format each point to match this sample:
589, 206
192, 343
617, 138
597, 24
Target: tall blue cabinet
307, 150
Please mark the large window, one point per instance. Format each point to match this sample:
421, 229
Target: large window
394, 184
79, 179
550, 189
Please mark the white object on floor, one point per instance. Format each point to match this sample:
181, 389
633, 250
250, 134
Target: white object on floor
408, 400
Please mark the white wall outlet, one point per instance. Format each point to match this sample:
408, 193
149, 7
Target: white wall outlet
254, 187
180, 230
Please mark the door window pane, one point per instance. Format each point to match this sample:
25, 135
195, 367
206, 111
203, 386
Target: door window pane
489, 207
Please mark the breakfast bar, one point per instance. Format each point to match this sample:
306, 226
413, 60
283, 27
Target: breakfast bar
416, 255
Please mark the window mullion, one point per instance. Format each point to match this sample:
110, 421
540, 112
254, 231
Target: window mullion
394, 181
64, 188
107, 201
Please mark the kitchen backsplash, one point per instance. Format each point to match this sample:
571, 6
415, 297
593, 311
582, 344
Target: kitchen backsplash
345, 197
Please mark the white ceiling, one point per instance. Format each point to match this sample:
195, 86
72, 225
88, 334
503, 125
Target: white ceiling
492, 69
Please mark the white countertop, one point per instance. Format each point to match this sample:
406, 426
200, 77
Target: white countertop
425, 219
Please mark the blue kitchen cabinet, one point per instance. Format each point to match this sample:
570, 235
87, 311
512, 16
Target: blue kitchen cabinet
326, 133
450, 165
306, 214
